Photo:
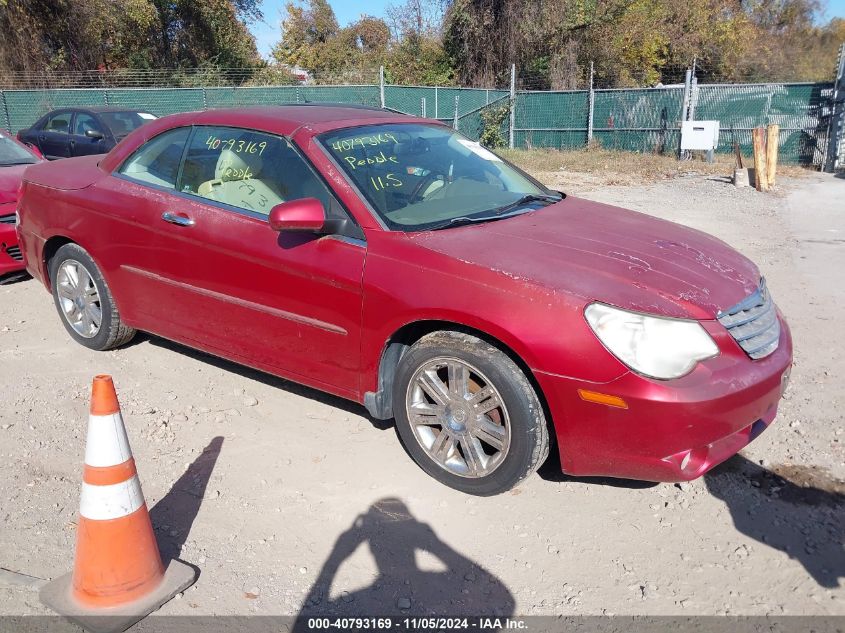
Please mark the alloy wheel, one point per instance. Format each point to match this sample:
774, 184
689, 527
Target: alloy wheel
79, 298
458, 417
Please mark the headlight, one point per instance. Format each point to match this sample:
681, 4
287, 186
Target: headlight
654, 346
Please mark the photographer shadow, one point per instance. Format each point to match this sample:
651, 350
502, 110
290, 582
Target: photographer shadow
401, 588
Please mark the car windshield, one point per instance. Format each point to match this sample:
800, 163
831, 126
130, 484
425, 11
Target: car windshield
13, 154
422, 176
122, 123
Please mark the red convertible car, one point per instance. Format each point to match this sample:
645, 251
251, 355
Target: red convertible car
15, 157
391, 261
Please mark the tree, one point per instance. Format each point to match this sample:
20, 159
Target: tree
423, 18
311, 38
372, 35
195, 32
67, 34
420, 61
636, 42
545, 38
105, 34
417, 55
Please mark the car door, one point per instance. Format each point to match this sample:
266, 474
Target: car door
288, 303
135, 246
29, 136
54, 136
88, 136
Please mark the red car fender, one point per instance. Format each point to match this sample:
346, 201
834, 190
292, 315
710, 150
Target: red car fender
423, 289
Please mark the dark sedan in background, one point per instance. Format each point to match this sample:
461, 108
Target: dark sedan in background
82, 131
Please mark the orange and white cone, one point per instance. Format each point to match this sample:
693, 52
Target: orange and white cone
118, 576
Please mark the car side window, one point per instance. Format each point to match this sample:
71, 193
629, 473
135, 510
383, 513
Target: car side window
157, 161
59, 123
250, 170
85, 122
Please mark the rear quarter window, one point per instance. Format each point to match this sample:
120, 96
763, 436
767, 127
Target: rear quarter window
157, 161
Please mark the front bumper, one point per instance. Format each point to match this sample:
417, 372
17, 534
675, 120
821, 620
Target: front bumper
673, 430
11, 257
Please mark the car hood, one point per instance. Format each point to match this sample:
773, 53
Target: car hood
598, 252
10, 181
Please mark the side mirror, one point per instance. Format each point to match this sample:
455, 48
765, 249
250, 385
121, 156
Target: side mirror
94, 134
305, 214
33, 149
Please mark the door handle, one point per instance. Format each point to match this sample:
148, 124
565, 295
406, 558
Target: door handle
180, 220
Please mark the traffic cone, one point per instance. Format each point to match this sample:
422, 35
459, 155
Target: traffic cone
118, 576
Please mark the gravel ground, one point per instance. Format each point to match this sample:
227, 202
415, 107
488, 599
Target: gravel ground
291, 501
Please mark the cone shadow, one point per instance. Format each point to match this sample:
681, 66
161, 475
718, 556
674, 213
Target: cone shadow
174, 514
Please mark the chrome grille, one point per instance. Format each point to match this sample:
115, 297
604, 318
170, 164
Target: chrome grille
7, 219
753, 323
15, 253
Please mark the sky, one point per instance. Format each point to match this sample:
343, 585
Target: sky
268, 32
835, 8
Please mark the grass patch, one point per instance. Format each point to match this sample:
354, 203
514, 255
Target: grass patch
597, 165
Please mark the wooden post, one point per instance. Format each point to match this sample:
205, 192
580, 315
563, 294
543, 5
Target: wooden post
772, 133
761, 182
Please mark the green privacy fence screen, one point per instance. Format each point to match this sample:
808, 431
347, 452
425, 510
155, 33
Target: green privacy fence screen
801, 110
638, 120
642, 120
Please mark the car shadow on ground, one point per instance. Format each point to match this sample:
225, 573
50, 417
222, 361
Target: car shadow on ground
174, 514
795, 509
267, 379
14, 278
551, 471
417, 573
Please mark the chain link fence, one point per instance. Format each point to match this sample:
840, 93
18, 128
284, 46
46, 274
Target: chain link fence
835, 160
646, 120
21, 108
802, 111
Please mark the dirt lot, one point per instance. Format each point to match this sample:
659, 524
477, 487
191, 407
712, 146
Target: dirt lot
290, 500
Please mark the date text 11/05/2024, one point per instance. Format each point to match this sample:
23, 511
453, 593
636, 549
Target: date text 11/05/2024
416, 624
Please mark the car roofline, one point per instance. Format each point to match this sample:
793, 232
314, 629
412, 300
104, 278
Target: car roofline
262, 118
331, 104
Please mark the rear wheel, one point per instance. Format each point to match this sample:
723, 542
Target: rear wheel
468, 415
84, 301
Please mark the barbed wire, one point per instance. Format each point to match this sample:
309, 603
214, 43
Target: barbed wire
184, 78
665, 76
277, 75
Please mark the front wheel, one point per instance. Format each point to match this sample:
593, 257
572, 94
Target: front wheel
468, 415
84, 301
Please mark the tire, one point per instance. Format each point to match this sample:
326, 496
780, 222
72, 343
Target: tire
110, 332
513, 437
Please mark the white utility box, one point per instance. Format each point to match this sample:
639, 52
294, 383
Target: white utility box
699, 135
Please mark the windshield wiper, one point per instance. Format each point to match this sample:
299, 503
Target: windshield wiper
462, 220
500, 213
26, 162
531, 197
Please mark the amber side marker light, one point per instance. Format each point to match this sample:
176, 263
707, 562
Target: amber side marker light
602, 398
